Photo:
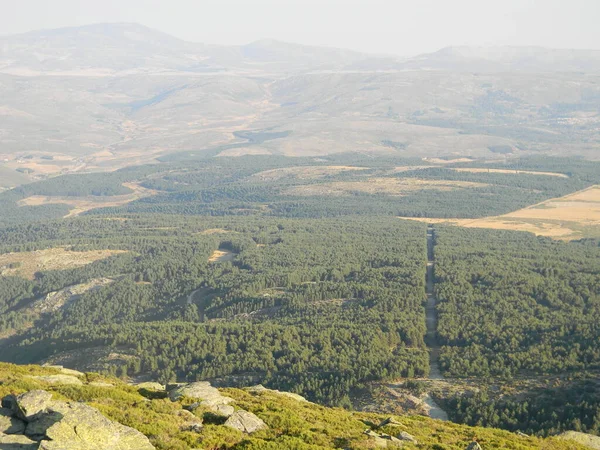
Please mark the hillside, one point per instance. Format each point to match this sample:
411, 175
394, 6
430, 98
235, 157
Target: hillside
176, 421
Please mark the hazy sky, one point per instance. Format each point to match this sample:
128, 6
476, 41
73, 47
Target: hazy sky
404, 27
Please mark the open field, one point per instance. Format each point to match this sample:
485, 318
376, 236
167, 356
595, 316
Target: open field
570, 217
447, 161
302, 173
26, 264
221, 256
83, 204
515, 172
387, 186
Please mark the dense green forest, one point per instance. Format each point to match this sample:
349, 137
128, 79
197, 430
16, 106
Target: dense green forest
511, 303
334, 302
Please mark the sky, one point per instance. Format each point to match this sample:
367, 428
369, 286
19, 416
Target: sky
398, 27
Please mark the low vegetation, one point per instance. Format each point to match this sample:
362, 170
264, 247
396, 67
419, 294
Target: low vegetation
291, 423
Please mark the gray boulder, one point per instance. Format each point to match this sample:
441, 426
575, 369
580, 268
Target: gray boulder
382, 440
245, 421
474, 446
404, 436
16, 442
200, 390
222, 410
9, 424
29, 405
85, 428
259, 389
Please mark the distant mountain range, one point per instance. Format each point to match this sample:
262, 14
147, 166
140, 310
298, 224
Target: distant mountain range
131, 48
105, 96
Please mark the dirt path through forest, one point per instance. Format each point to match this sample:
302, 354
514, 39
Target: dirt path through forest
431, 321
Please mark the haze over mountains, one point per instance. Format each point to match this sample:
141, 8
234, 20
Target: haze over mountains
103, 96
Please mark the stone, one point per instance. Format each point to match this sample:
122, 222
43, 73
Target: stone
151, 386
245, 421
404, 436
474, 446
16, 442
200, 390
388, 421
259, 389
194, 427
383, 440
222, 410
30, 404
9, 424
60, 379
85, 428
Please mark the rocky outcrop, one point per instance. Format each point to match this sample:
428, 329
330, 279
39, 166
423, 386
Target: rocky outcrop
245, 421
404, 436
474, 446
59, 425
383, 440
222, 410
85, 428
29, 405
200, 390
259, 389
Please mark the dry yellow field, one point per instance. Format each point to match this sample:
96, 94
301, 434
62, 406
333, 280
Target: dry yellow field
570, 217
221, 256
50, 259
302, 173
447, 161
388, 186
82, 204
514, 172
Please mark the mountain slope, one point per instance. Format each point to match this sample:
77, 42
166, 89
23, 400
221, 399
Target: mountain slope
290, 422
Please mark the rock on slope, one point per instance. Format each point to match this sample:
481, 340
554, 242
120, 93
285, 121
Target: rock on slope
58, 425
